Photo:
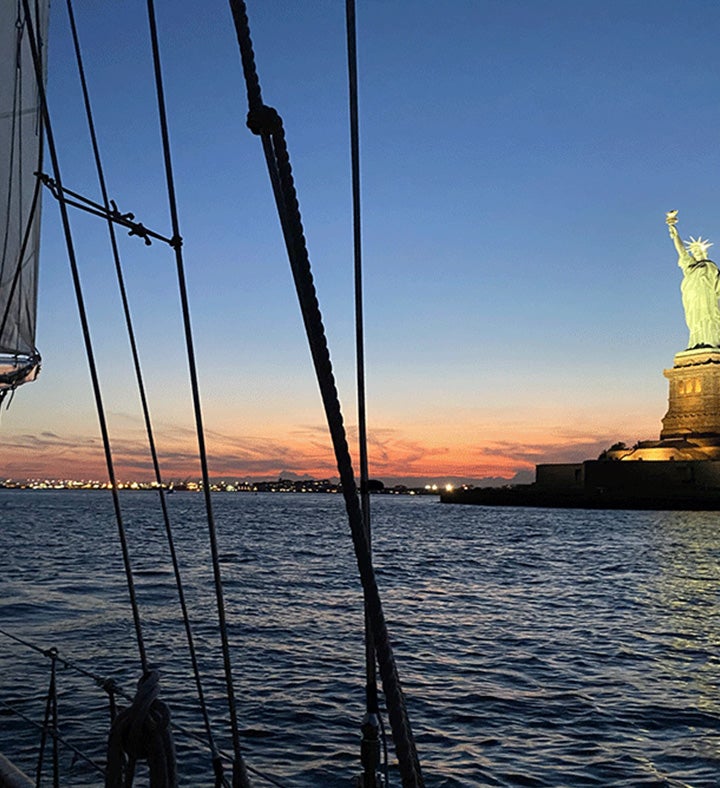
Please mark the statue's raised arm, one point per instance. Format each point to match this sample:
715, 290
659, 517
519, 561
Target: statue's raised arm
671, 221
700, 288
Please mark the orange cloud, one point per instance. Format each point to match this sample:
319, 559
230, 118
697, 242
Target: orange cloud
408, 452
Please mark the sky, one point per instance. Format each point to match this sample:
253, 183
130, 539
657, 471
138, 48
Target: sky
521, 291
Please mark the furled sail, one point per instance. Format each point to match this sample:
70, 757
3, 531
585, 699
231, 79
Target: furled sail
21, 147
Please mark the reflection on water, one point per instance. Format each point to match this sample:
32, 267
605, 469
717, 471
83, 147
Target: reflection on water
536, 647
687, 588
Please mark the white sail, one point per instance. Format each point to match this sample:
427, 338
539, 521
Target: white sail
21, 147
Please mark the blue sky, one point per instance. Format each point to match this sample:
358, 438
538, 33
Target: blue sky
522, 294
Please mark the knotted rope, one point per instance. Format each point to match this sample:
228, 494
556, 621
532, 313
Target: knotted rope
141, 732
265, 121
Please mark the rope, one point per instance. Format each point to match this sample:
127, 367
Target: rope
372, 724
266, 122
357, 250
55, 735
142, 732
109, 211
86, 338
53, 654
402, 734
112, 690
240, 778
50, 711
4, 393
141, 388
106, 684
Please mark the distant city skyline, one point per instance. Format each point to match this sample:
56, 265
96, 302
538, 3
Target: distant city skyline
522, 293
281, 485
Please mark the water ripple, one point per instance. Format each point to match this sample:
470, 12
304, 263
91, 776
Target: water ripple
536, 648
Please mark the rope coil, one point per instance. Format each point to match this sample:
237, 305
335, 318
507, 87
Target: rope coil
141, 732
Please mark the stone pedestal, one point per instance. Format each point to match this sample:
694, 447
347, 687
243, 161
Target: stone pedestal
694, 398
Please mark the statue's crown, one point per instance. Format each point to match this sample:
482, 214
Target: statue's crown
698, 247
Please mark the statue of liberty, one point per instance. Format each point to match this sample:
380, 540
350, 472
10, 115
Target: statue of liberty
700, 288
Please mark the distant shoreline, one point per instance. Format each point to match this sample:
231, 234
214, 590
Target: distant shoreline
305, 486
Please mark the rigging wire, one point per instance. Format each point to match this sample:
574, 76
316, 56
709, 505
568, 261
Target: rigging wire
109, 211
358, 270
240, 777
50, 712
78, 753
141, 386
111, 687
89, 352
372, 724
267, 123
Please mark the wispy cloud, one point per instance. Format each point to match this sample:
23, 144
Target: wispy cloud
306, 450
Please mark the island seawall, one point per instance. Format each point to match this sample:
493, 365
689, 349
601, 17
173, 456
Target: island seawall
608, 484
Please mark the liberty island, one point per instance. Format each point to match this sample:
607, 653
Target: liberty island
681, 470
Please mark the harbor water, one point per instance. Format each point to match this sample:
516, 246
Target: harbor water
536, 647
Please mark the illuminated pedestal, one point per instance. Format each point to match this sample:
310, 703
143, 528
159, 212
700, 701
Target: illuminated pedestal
694, 397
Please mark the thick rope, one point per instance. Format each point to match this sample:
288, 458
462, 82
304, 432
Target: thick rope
141, 387
240, 778
141, 732
402, 734
86, 338
266, 122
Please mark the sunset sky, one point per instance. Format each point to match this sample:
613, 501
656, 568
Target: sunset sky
522, 293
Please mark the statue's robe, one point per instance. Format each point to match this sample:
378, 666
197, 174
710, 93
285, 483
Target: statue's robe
700, 293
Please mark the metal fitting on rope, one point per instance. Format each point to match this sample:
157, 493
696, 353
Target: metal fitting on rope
109, 685
264, 120
141, 231
370, 753
49, 182
117, 216
219, 772
142, 732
